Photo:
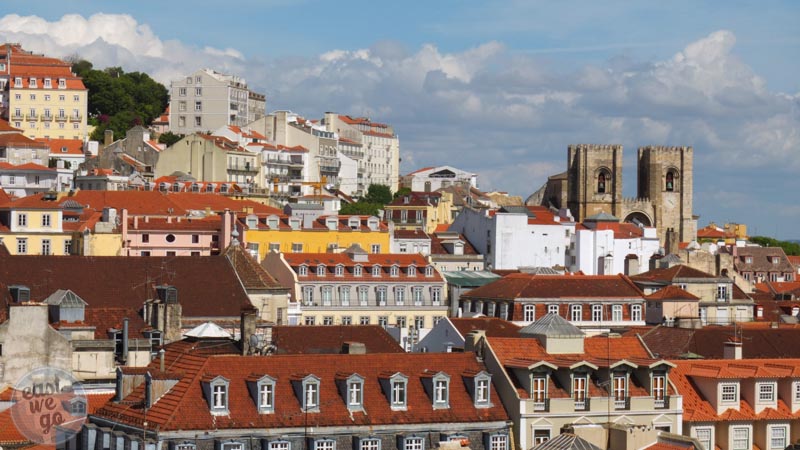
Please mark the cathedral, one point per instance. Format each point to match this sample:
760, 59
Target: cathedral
592, 184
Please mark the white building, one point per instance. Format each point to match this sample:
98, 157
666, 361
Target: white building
517, 236
207, 100
27, 179
604, 246
430, 179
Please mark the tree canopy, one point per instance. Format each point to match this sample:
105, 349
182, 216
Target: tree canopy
376, 197
120, 100
790, 248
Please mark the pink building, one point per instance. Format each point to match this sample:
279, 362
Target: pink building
175, 235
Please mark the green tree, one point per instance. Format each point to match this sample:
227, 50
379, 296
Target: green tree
402, 191
790, 248
360, 208
378, 193
169, 138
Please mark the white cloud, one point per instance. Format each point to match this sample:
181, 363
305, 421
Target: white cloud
499, 113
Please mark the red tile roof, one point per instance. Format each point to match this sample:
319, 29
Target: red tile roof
184, 407
27, 167
296, 340
136, 202
671, 292
210, 223
493, 326
217, 203
105, 319
525, 285
35, 201
697, 408
6, 127
63, 146
760, 341
672, 273
385, 261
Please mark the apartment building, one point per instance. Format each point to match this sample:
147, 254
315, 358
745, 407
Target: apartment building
210, 158
602, 245
430, 179
41, 95
207, 100
420, 210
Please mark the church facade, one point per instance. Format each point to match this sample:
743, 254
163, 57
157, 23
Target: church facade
593, 184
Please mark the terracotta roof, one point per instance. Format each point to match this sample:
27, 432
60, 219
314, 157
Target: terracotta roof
669, 446
4, 197
250, 273
411, 234
217, 203
621, 230
126, 282
761, 260
6, 127
210, 223
712, 231
671, 292
795, 260
105, 319
424, 169
672, 273
524, 285
330, 339
385, 261
437, 247
709, 342
136, 202
35, 201
27, 167
63, 146
697, 408
184, 407
493, 326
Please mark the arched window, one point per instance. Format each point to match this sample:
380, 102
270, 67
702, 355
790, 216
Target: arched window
602, 180
670, 184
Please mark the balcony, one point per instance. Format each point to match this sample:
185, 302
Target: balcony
75, 117
60, 118
661, 403
47, 118
582, 404
542, 405
31, 117
622, 403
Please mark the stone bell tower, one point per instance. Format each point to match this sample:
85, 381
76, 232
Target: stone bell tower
594, 180
665, 177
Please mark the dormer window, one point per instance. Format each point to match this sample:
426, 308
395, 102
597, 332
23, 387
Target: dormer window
620, 390
776, 260
216, 390
264, 394
311, 393
438, 387
32, 82
358, 270
482, 396
376, 271
428, 271
729, 393
355, 393
766, 392
748, 259
302, 270
209, 187
321, 270
272, 222
398, 394
354, 223
18, 82
339, 271
394, 270
412, 443
412, 271
77, 406
62, 83
659, 390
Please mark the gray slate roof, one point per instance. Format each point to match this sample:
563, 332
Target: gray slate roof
65, 298
552, 325
566, 441
601, 217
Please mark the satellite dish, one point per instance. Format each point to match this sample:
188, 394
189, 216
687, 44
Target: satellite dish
256, 343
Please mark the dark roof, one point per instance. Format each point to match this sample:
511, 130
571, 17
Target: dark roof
330, 339
566, 441
523, 285
493, 326
709, 342
437, 247
761, 260
252, 275
671, 274
207, 286
672, 292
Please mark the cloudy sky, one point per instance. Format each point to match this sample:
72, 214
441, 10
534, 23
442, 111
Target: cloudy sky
499, 88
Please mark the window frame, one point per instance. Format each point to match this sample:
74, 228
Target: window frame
311, 391
734, 394
747, 444
354, 387
266, 383
528, 312
398, 392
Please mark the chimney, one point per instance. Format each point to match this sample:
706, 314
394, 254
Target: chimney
473, 340
124, 356
733, 349
354, 348
161, 360
227, 224
247, 328
108, 137
124, 223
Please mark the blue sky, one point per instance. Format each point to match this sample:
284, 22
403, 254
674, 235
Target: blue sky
500, 88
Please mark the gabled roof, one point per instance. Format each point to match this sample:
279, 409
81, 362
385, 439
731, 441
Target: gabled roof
330, 339
208, 330
493, 326
251, 274
762, 260
672, 274
66, 299
73, 147
527, 286
552, 325
566, 441
671, 292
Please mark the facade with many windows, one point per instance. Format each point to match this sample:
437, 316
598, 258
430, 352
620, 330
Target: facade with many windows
358, 288
322, 402
741, 404
41, 96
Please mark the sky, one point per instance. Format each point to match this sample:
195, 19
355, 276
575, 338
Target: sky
497, 88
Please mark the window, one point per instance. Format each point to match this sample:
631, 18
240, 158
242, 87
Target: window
198, 91
601, 182
540, 436
400, 321
278, 445
198, 106
394, 271
722, 292
145, 238
380, 295
347, 320
219, 396
376, 248
22, 246
310, 320
327, 320
45, 246
399, 295
428, 271
616, 313
620, 385
704, 436
670, 184
441, 391
324, 444
311, 394
436, 296
302, 270
796, 391
597, 313
369, 444
416, 293
413, 443
579, 390
363, 320
339, 270
195, 239
62, 83
741, 438
355, 393
68, 247
777, 438
344, 296
575, 313
274, 247
529, 313
308, 295
766, 392
437, 319
498, 442
376, 271
357, 270
198, 121
22, 219
730, 392
659, 389
552, 309
266, 396
170, 238
398, 392
636, 313
412, 271
539, 389
321, 270
76, 98
419, 322
482, 397
363, 296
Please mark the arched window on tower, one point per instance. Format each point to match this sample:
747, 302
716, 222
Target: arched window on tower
670, 184
602, 179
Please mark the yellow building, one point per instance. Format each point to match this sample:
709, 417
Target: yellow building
318, 235
45, 99
425, 210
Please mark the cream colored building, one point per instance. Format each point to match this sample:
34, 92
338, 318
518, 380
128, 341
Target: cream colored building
206, 100
41, 95
210, 158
